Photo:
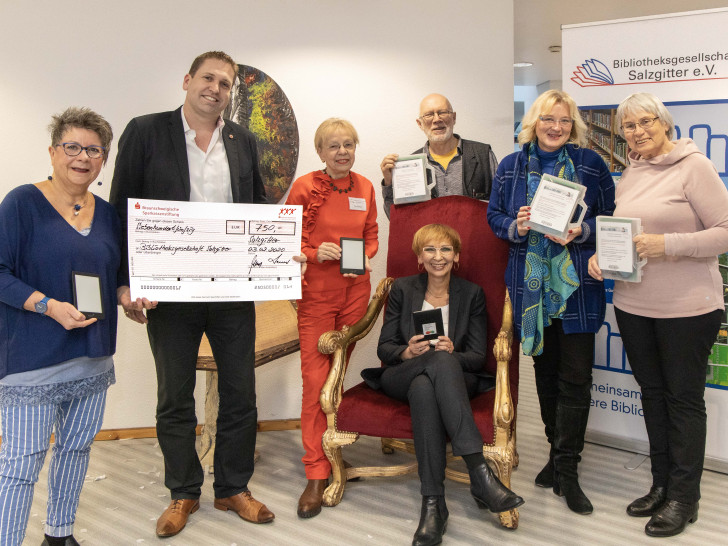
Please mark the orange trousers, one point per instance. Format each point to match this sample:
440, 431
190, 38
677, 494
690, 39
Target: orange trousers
319, 312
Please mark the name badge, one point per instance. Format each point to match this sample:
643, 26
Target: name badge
357, 203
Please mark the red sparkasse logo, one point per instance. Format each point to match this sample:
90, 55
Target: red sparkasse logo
137, 206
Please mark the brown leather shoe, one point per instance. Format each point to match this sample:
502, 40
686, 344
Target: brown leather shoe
309, 505
174, 518
246, 507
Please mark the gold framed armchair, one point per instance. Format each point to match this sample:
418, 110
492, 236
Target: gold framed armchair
364, 411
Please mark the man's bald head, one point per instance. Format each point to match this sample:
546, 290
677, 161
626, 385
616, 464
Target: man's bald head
437, 119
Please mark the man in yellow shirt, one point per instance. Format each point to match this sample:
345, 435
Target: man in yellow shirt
462, 167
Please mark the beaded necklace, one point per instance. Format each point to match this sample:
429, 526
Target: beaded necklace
345, 190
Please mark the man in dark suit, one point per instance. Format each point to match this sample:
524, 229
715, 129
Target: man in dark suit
462, 167
192, 154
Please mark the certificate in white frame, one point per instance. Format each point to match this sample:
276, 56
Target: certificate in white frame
616, 252
554, 204
409, 179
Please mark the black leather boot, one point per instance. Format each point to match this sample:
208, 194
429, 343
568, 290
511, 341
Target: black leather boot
649, 504
671, 519
547, 402
545, 478
568, 445
433, 521
488, 491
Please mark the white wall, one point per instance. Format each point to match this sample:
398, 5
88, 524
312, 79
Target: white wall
368, 61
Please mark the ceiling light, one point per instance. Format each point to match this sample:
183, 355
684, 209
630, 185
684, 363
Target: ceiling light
522, 64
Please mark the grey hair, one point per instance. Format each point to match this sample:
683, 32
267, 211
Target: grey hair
645, 102
81, 118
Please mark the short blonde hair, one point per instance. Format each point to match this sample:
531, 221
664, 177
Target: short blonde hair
330, 126
435, 232
542, 106
645, 102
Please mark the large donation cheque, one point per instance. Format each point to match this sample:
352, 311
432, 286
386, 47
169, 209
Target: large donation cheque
181, 251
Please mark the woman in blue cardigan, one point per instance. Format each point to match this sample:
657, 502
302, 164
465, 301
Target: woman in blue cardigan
55, 363
557, 306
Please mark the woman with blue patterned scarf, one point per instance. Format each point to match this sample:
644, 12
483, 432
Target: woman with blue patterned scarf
557, 306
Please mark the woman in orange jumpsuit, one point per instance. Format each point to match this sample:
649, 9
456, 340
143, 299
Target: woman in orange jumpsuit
336, 203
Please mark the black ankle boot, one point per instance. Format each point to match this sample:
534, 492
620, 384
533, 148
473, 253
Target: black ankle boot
671, 519
488, 491
568, 445
576, 500
545, 478
649, 504
433, 521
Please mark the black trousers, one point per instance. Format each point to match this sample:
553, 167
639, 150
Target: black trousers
563, 372
439, 395
669, 359
175, 331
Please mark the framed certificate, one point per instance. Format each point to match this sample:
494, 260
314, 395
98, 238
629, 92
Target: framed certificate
554, 205
409, 179
616, 252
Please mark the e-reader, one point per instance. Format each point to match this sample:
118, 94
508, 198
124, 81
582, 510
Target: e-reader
352, 256
87, 295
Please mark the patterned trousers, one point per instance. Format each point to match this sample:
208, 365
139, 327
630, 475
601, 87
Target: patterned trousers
26, 437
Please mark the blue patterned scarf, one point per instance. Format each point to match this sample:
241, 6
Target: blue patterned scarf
550, 277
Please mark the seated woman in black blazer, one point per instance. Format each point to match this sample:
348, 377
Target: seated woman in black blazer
438, 377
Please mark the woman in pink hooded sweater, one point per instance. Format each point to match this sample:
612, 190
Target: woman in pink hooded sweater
670, 320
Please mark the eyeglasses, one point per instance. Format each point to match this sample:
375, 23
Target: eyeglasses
442, 114
73, 149
550, 121
444, 250
645, 123
348, 146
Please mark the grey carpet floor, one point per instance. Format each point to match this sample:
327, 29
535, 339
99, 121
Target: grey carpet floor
124, 494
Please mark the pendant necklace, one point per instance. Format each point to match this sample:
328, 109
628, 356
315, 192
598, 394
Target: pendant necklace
76, 206
445, 295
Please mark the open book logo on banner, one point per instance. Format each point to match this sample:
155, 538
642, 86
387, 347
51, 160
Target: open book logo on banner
591, 73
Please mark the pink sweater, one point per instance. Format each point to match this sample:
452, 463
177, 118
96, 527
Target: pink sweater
681, 195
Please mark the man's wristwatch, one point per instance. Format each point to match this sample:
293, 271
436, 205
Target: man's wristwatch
42, 306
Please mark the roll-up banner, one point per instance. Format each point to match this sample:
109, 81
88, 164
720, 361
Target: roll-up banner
682, 58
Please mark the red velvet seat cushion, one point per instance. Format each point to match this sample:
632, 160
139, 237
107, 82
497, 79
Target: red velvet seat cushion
483, 260
373, 413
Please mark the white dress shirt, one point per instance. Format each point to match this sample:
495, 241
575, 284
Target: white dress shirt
209, 171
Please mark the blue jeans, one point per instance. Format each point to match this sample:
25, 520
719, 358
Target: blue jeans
26, 438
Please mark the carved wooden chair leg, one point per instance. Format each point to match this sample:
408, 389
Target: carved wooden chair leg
206, 451
332, 443
509, 519
503, 469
